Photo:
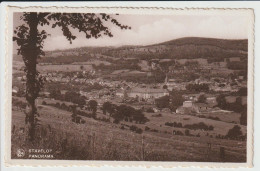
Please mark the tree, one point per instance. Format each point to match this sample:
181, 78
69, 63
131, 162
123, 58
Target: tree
176, 100
234, 133
93, 107
55, 93
202, 99
106, 107
243, 117
221, 100
162, 102
165, 86
242, 91
30, 41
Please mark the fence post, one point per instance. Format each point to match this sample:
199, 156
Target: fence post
143, 151
222, 153
208, 151
93, 145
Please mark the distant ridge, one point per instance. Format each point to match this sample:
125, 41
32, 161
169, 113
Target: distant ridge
233, 44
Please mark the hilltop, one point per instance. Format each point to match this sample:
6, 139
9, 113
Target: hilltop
239, 44
187, 48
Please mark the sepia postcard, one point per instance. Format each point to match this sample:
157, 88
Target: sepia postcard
129, 87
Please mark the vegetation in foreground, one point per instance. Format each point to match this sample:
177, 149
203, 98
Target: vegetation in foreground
98, 140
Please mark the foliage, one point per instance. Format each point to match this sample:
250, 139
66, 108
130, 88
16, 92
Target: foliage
162, 102
107, 107
243, 117
202, 99
30, 41
187, 132
93, 107
150, 110
176, 100
174, 124
129, 114
197, 87
136, 129
200, 125
242, 91
237, 65
221, 100
234, 133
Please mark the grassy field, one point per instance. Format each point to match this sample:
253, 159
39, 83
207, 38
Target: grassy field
64, 68
97, 140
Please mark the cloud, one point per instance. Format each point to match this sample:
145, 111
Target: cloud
160, 30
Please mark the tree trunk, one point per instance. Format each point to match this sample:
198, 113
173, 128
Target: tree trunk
32, 89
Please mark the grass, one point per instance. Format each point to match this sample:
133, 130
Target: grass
96, 140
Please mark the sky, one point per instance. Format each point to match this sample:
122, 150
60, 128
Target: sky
151, 29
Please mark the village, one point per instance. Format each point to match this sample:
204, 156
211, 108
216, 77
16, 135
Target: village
133, 93
199, 94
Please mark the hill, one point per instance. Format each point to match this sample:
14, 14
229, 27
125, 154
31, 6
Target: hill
238, 44
184, 48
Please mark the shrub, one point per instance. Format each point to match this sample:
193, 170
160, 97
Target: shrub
214, 118
200, 125
116, 121
201, 116
57, 105
146, 128
234, 133
174, 124
211, 128
158, 115
122, 127
187, 132
136, 129
179, 125
154, 130
179, 133
150, 110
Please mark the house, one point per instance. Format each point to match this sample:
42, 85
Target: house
201, 61
134, 73
45, 94
120, 93
142, 93
189, 107
147, 93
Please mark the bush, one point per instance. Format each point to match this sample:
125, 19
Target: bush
211, 128
234, 133
150, 110
200, 125
174, 132
116, 121
136, 129
146, 128
201, 116
158, 115
154, 130
174, 124
179, 133
122, 127
187, 132
214, 118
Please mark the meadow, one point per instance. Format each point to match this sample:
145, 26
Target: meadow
98, 140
